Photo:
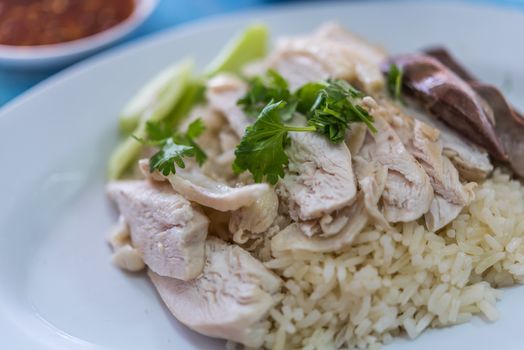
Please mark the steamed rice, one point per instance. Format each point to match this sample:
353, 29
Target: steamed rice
402, 281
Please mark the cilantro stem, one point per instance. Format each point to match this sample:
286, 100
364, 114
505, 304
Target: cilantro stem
394, 82
298, 128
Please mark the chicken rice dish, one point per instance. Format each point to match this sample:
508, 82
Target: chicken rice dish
320, 193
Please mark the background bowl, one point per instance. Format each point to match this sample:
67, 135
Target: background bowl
54, 55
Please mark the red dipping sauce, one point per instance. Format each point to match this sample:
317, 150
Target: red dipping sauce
43, 22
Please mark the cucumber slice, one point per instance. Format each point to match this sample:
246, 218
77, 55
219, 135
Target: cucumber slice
250, 45
154, 102
157, 97
125, 154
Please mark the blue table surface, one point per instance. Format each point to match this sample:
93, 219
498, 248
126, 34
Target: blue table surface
168, 14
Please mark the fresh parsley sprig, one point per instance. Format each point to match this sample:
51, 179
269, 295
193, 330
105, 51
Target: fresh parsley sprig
173, 147
329, 106
334, 107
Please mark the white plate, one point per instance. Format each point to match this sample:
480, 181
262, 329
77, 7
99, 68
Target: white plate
54, 55
58, 289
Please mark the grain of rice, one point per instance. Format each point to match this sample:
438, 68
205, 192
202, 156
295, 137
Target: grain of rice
341, 274
387, 321
279, 263
436, 294
292, 286
513, 244
329, 270
280, 339
365, 249
284, 323
407, 293
310, 319
399, 264
443, 307
298, 314
453, 311
423, 323
290, 271
410, 327
489, 261
493, 243
363, 327
368, 237
444, 266
516, 269
299, 274
488, 310
397, 237
470, 249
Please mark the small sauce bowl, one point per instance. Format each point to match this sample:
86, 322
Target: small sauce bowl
59, 54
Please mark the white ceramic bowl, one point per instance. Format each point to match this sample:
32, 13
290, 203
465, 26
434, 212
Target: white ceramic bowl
54, 55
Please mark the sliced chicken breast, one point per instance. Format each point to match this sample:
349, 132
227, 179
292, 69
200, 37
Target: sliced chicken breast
471, 161
331, 52
230, 298
194, 185
423, 142
165, 228
427, 149
443, 210
355, 137
125, 255
294, 238
408, 192
451, 196
319, 178
257, 217
197, 187
372, 178
209, 140
223, 92
343, 226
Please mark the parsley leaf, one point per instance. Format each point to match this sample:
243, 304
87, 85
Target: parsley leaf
169, 155
394, 82
261, 150
157, 132
331, 106
262, 90
307, 96
194, 130
173, 147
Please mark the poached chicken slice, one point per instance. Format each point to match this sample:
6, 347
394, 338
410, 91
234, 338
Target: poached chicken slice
319, 178
165, 228
408, 192
223, 92
229, 299
197, 187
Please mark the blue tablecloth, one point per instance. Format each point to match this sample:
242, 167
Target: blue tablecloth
167, 14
